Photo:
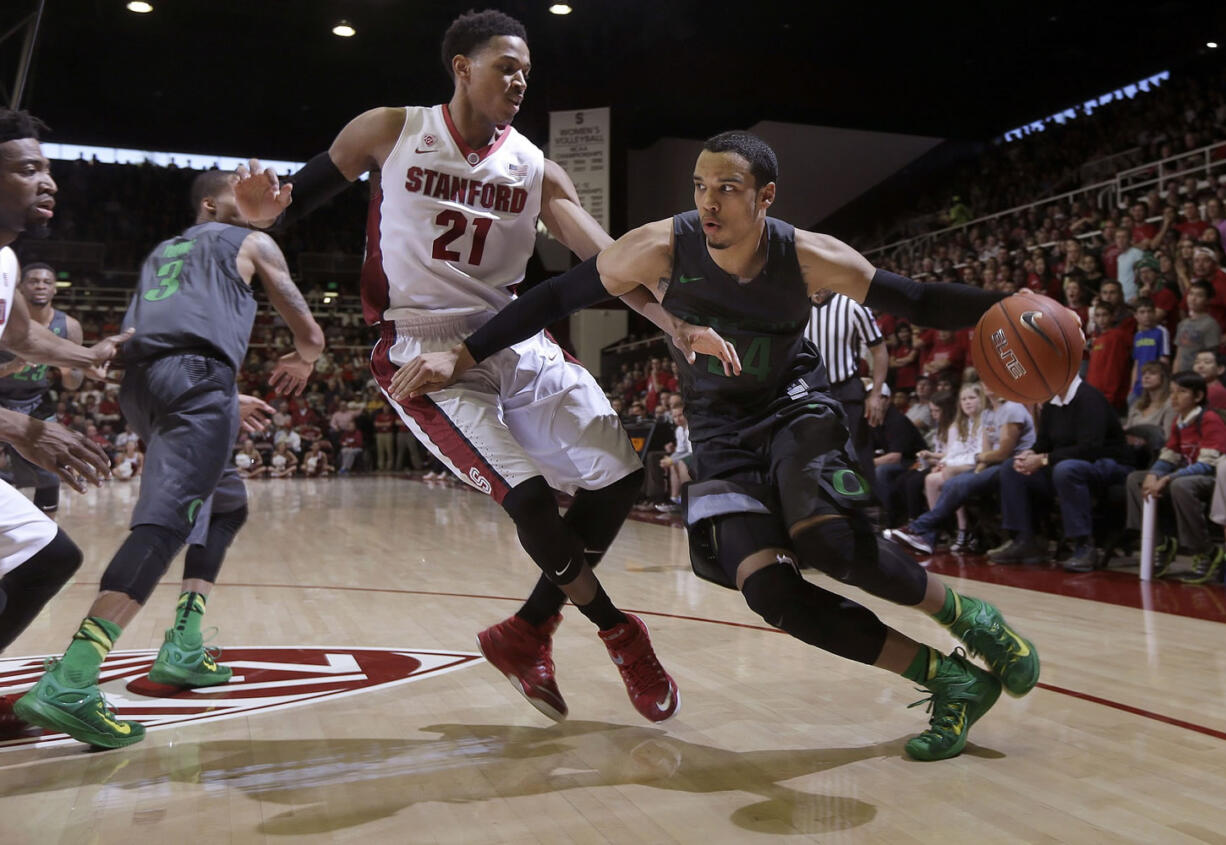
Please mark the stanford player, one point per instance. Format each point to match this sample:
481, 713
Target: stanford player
452, 223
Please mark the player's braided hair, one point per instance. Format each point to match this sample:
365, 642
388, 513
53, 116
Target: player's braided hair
472, 29
19, 124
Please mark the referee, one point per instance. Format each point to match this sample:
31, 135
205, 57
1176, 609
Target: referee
838, 325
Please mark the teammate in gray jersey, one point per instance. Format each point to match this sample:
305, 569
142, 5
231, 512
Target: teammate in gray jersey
192, 314
26, 387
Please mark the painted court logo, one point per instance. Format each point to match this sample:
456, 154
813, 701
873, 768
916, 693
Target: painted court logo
265, 679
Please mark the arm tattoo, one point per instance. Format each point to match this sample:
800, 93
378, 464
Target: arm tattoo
665, 279
278, 278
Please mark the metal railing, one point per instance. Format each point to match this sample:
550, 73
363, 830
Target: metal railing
1104, 194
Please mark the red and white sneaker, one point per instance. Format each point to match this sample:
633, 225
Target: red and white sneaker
652, 692
13, 726
524, 653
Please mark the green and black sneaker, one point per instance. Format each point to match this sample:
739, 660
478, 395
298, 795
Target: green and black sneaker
961, 694
1205, 567
80, 712
1012, 658
1164, 556
187, 662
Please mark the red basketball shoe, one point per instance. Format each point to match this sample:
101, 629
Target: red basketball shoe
13, 726
524, 653
652, 692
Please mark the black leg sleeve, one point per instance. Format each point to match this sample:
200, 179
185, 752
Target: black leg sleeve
25, 590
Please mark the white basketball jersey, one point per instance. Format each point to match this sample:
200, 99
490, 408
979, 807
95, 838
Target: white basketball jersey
8, 285
450, 227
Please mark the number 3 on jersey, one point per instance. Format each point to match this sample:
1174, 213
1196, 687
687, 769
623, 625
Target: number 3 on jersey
457, 224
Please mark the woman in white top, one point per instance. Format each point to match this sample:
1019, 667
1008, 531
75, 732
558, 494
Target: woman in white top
963, 441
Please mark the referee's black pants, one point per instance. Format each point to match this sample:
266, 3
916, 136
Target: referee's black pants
851, 394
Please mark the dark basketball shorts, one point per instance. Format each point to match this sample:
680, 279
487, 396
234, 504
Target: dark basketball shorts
185, 409
751, 488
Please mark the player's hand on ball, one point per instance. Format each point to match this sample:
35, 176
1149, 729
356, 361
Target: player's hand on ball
694, 340
259, 194
290, 375
429, 372
63, 451
254, 414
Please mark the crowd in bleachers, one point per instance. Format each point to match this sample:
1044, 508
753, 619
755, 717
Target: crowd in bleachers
1144, 271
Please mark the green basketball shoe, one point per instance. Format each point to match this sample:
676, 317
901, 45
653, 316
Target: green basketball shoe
961, 693
182, 662
1012, 658
1164, 556
80, 712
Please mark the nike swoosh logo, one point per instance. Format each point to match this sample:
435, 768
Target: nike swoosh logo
685, 280
124, 728
1023, 650
560, 572
619, 660
1030, 319
425, 151
666, 702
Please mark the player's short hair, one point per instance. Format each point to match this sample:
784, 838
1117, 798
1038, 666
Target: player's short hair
19, 124
762, 162
208, 184
26, 269
472, 29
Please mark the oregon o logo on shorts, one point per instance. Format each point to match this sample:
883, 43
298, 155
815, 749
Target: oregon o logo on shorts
840, 482
192, 509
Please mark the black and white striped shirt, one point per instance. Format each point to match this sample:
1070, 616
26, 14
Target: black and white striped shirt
838, 327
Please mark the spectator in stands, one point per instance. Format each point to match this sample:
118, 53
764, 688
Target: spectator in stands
1125, 262
385, 438
1213, 210
945, 355
315, 462
128, 462
1192, 225
963, 443
351, 447
1075, 297
1186, 467
1198, 330
1079, 450
1008, 430
283, 463
1091, 272
1150, 418
1210, 364
1152, 342
249, 461
920, 412
903, 360
288, 436
1110, 353
1150, 285
1206, 266
896, 443
678, 463
1144, 233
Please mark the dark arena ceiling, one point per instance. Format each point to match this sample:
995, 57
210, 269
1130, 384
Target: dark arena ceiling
267, 77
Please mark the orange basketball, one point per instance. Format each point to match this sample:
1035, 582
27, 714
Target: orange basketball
1027, 348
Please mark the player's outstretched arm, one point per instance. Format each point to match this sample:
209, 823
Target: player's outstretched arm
364, 143
72, 378
828, 263
634, 256
55, 448
37, 344
260, 255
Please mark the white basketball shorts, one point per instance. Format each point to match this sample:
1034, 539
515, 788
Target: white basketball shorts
24, 529
528, 410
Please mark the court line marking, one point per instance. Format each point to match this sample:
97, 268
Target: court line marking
1094, 699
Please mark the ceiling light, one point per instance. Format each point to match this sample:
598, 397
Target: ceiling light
1212, 45
140, 7
560, 9
344, 29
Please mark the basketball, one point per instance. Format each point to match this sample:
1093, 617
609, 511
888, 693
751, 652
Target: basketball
1027, 348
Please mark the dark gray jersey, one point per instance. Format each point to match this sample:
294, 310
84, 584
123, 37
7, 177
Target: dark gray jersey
30, 384
191, 297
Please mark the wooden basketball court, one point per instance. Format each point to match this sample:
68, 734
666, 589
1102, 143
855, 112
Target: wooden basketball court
1124, 740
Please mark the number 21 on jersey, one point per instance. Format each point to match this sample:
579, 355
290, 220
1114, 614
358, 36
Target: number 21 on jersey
455, 224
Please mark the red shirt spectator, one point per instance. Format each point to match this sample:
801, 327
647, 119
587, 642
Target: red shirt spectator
1110, 367
385, 422
351, 439
946, 354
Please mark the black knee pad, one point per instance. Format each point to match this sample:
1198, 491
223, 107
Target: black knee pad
47, 499
204, 562
142, 560
553, 545
597, 515
848, 550
818, 617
